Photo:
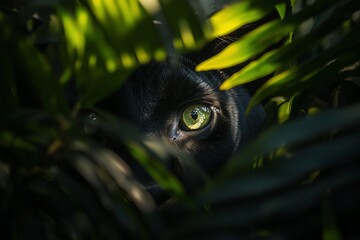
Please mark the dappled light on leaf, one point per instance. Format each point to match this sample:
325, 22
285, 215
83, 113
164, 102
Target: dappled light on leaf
251, 44
235, 16
88, 39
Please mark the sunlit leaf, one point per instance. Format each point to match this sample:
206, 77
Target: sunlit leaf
284, 110
237, 15
281, 8
258, 40
104, 43
251, 44
279, 58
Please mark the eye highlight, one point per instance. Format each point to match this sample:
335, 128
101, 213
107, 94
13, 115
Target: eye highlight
196, 116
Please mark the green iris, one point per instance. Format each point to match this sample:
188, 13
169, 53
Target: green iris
196, 116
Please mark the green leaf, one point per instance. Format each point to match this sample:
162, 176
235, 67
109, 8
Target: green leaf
185, 30
285, 172
248, 46
290, 134
259, 40
44, 82
278, 58
104, 43
291, 203
113, 187
281, 8
330, 228
311, 73
237, 15
157, 171
33, 67
104, 47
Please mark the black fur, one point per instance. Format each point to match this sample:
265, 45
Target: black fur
156, 94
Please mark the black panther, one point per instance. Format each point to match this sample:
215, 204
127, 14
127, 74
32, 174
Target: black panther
172, 102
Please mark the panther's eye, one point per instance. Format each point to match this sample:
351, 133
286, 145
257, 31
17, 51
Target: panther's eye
196, 116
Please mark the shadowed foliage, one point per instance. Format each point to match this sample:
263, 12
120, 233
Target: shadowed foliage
60, 178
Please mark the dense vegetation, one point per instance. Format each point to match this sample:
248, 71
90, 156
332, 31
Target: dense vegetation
298, 180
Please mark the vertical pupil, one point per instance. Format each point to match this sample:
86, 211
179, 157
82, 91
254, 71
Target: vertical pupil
194, 115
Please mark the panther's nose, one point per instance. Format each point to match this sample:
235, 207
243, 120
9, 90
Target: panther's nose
174, 134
